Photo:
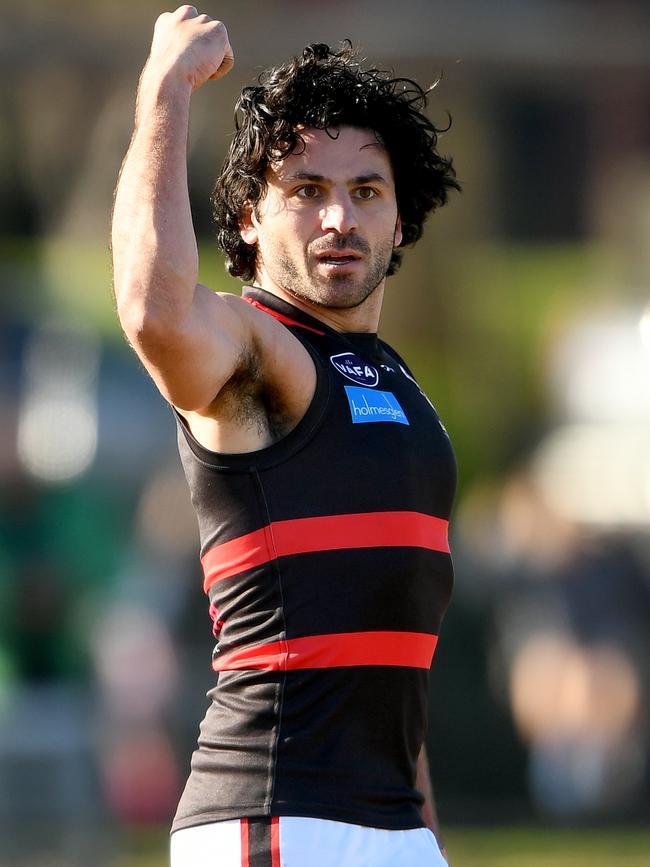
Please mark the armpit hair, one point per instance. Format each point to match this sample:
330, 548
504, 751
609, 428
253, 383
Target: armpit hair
249, 401
240, 399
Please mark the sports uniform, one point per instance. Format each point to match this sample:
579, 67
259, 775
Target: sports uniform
327, 566
294, 841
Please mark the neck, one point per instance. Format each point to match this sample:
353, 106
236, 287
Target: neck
363, 318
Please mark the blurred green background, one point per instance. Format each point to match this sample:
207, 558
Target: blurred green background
525, 314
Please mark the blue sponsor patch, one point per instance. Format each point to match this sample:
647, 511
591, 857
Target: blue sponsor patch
367, 405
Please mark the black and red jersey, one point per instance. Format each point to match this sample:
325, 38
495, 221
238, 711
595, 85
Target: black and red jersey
328, 571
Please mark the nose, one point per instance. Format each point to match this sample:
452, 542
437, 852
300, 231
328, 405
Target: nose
339, 215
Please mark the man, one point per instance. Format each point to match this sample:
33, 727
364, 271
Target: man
320, 473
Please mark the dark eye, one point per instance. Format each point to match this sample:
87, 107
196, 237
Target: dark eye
309, 191
366, 193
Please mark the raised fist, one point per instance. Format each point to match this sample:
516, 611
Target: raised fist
196, 47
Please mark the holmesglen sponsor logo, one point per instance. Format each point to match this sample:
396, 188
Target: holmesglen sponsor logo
354, 368
367, 405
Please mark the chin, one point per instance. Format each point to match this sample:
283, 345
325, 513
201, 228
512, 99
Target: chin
342, 300
336, 292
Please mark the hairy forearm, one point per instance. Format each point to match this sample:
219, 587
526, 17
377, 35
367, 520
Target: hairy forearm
155, 258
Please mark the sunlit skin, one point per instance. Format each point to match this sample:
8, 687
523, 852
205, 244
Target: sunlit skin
238, 376
326, 228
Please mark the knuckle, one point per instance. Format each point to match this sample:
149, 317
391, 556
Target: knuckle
185, 12
218, 31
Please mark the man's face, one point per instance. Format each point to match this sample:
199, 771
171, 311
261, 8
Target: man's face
326, 228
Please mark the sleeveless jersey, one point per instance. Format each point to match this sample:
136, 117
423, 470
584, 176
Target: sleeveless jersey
328, 571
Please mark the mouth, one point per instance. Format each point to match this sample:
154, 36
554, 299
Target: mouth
336, 259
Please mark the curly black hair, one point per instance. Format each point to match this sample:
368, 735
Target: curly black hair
326, 89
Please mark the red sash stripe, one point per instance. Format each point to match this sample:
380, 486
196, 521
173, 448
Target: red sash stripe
405, 649
245, 857
324, 533
275, 842
237, 555
286, 320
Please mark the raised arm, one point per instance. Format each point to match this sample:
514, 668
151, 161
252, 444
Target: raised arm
190, 339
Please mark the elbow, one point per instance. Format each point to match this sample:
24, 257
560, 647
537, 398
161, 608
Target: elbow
147, 317
151, 336
144, 325
134, 313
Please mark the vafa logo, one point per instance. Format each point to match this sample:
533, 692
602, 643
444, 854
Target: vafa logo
355, 369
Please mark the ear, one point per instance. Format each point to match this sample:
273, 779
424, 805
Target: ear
397, 239
248, 226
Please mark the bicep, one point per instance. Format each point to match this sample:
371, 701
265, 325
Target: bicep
191, 360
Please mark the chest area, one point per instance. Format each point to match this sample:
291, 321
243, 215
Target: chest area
373, 387
381, 433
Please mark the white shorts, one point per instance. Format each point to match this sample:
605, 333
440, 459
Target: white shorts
292, 841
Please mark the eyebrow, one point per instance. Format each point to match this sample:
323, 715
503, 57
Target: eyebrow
360, 180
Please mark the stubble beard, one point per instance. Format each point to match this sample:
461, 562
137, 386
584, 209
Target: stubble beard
336, 291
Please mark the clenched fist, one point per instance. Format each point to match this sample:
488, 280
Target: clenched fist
194, 47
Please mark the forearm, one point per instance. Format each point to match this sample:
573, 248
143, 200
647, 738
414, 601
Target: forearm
155, 258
